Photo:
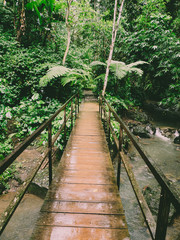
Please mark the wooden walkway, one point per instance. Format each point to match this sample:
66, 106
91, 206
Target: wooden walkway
83, 202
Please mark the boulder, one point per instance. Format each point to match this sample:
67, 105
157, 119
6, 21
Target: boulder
141, 131
177, 140
138, 116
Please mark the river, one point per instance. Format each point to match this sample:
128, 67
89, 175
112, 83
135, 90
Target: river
166, 155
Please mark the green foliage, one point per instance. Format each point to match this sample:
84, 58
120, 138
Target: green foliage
21, 69
30, 113
44, 10
125, 89
118, 103
153, 40
6, 146
5, 177
67, 75
172, 99
97, 63
120, 69
6, 19
25, 118
54, 72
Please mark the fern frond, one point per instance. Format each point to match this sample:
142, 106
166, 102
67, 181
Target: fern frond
68, 79
137, 63
117, 63
97, 63
101, 76
55, 71
120, 69
73, 76
136, 70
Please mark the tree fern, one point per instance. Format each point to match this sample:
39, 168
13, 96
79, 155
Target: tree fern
120, 69
67, 75
53, 72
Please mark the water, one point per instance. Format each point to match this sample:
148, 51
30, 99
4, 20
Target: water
23, 221
166, 155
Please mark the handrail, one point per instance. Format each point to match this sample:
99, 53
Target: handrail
11, 157
6, 216
168, 193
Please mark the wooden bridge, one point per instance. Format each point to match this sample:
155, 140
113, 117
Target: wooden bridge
83, 200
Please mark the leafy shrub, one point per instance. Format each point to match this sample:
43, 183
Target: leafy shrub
172, 99
153, 41
30, 113
5, 177
118, 103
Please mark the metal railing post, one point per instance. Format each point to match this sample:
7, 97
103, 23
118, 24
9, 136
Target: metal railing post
75, 108
104, 111
72, 114
64, 126
163, 213
119, 159
101, 107
78, 101
50, 151
109, 130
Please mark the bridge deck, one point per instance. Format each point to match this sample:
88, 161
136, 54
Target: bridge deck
83, 201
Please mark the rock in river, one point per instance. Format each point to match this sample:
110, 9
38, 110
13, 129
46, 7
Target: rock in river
141, 131
177, 140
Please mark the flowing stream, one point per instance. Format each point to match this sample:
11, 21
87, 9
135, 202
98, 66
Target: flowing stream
166, 155
23, 221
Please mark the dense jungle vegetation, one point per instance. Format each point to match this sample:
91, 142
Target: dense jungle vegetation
49, 49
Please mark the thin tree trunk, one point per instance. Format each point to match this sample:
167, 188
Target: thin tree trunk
67, 47
114, 33
68, 30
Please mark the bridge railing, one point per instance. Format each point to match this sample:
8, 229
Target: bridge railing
74, 109
168, 192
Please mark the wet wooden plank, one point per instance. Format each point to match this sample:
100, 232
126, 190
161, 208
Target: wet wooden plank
83, 201
71, 233
82, 207
82, 220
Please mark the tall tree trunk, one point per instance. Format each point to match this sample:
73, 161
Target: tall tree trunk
68, 31
114, 33
21, 25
